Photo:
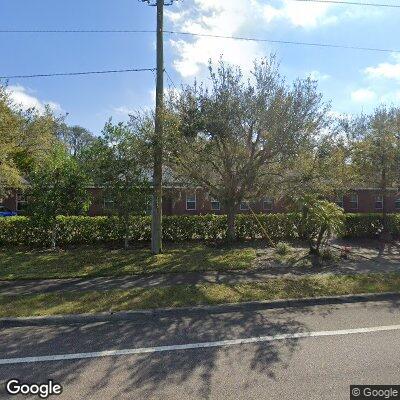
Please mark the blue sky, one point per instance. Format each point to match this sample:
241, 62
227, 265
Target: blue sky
355, 81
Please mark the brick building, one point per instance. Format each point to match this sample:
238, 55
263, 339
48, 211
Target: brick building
185, 201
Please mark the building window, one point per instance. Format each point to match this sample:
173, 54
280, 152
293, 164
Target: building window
397, 204
268, 204
215, 204
354, 201
379, 202
191, 202
244, 206
21, 202
108, 204
339, 201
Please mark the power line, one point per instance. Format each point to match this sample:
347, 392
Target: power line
76, 31
351, 3
252, 39
170, 79
112, 71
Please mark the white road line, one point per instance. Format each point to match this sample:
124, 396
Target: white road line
189, 346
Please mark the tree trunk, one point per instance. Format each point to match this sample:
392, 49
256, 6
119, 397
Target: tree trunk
319, 240
54, 231
231, 233
384, 216
126, 234
386, 235
53, 238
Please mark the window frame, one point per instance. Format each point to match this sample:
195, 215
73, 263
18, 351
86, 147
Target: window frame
351, 202
18, 201
106, 207
340, 201
376, 201
191, 201
270, 201
246, 208
214, 201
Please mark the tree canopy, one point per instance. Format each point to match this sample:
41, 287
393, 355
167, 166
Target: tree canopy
240, 138
26, 138
116, 163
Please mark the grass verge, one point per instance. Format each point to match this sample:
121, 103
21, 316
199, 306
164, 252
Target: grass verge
92, 261
189, 295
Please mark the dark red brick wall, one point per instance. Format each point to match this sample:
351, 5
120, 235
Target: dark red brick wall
10, 202
366, 201
203, 204
174, 202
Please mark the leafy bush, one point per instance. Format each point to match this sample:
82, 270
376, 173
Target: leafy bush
319, 220
363, 225
86, 230
370, 225
282, 248
277, 226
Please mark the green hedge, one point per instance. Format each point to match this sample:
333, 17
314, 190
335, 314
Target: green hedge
85, 230
369, 225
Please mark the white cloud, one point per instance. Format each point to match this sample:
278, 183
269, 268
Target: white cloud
216, 18
22, 97
304, 15
387, 70
384, 70
235, 18
318, 76
363, 95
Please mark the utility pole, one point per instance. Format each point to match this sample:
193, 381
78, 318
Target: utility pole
156, 214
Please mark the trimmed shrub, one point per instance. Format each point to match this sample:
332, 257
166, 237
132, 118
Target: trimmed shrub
363, 225
370, 225
87, 230
277, 226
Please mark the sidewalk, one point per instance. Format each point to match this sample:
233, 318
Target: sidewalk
170, 279
129, 282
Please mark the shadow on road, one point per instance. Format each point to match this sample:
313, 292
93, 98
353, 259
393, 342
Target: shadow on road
149, 374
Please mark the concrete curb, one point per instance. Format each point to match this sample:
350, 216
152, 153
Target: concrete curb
142, 315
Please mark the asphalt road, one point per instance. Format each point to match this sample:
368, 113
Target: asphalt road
319, 367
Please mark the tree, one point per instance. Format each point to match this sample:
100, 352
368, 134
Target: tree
116, 163
57, 187
376, 152
76, 138
319, 220
26, 137
239, 137
324, 170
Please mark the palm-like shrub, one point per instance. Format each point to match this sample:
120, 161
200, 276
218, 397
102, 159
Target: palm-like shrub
319, 220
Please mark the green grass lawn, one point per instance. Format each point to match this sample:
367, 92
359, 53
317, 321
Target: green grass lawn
92, 261
188, 295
